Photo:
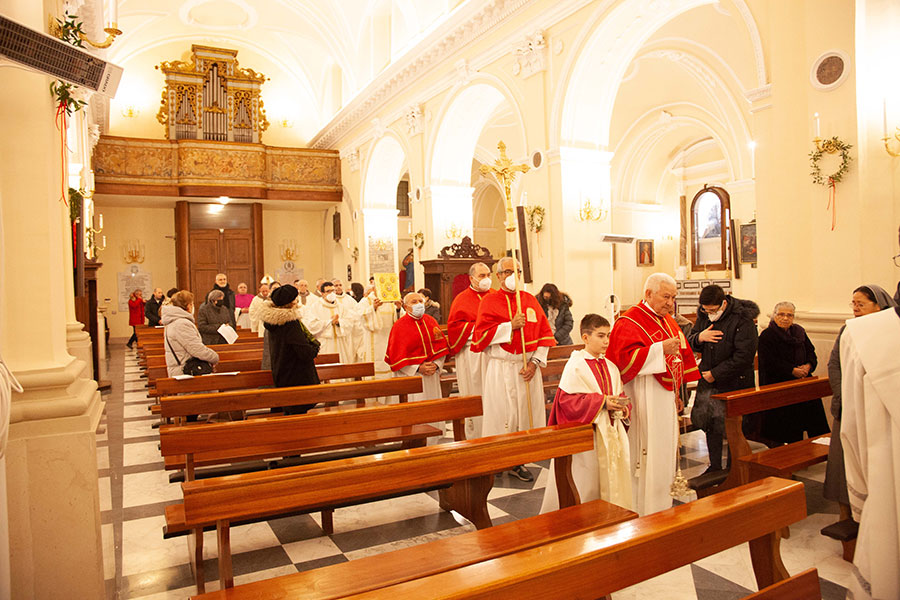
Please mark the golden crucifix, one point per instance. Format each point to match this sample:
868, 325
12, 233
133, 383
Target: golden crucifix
505, 172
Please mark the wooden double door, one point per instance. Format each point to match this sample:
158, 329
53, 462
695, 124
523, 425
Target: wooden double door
213, 251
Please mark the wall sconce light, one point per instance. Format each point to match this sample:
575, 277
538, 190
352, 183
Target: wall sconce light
381, 244
288, 250
133, 252
111, 28
130, 112
823, 145
590, 212
286, 123
91, 235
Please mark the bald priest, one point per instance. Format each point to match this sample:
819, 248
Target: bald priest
417, 345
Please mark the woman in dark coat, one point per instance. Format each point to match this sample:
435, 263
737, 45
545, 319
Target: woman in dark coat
785, 354
213, 314
292, 348
867, 299
557, 307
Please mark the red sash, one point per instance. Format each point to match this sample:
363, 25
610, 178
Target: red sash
413, 342
461, 321
630, 341
500, 307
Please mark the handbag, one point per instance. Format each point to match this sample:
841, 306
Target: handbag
193, 366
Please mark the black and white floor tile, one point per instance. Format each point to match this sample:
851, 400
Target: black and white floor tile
139, 563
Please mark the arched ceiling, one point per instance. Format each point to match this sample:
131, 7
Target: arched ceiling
316, 53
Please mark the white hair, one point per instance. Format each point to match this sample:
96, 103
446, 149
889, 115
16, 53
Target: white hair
498, 267
657, 279
784, 303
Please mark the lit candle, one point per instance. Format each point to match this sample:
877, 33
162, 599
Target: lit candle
112, 17
524, 200
818, 132
104, 241
884, 110
101, 220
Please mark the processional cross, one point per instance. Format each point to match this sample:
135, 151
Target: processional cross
505, 172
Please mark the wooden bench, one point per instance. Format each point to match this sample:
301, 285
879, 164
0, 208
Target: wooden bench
467, 467
565, 557
155, 352
749, 401
231, 366
200, 404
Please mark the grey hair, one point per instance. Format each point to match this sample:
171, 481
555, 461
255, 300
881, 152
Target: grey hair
409, 295
215, 295
474, 266
498, 267
657, 279
785, 303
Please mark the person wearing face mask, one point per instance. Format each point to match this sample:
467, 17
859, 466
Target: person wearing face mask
653, 358
213, 314
328, 320
460, 324
417, 346
725, 336
513, 396
222, 285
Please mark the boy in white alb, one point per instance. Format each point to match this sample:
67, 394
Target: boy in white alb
590, 391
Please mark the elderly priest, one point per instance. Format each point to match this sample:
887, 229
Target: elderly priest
417, 346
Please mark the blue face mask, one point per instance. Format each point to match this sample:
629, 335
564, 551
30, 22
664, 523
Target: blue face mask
418, 310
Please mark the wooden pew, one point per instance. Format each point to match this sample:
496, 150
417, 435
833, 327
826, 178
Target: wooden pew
563, 556
213, 382
230, 366
563, 352
753, 400
230, 355
160, 351
200, 404
468, 467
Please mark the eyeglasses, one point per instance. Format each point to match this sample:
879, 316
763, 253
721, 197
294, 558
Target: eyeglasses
711, 313
860, 304
508, 272
784, 315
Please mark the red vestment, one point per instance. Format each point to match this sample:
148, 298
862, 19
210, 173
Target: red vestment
461, 321
500, 307
413, 342
630, 341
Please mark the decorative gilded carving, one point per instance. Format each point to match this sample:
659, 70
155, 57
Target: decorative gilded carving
197, 162
465, 249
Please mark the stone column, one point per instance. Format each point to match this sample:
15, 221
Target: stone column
51, 461
78, 341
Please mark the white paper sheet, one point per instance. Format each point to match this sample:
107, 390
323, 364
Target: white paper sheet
228, 332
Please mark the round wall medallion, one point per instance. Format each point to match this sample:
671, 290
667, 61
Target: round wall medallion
830, 70
537, 159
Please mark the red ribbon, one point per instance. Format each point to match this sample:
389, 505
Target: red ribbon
832, 202
63, 127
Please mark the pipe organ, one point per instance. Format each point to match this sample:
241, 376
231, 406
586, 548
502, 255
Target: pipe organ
212, 98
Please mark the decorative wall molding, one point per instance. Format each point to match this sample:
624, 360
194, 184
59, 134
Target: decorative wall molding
352, 159
757, 94
414, 120
201, 168
530, 55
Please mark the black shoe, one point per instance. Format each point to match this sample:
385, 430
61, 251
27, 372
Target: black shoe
521, 473
129, 346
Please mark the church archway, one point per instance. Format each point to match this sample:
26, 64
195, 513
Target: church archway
385, 166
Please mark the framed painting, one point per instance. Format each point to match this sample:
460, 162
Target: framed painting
645, 253
748, 243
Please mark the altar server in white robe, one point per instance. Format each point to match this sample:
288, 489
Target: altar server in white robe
351, 312
870, 433
654, 359
326, 319
256, 305
376, 319
590, 391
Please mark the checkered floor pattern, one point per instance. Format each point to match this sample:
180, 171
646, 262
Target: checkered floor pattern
139, 563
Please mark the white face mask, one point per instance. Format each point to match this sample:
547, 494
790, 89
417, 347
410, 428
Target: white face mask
417, 310
510, 282
715, 317
485, 284
331, 297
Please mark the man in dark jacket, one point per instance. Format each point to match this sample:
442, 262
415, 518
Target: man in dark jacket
222, 285
725, 335
151, 309
292, 347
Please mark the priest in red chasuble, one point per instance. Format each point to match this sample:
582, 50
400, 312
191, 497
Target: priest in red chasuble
653, 358
509, 387
460, 324
417, 346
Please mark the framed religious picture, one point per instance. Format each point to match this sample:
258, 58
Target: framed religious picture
645, 251
748, 243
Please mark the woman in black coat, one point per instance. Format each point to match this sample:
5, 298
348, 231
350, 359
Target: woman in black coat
557, 307
785, 354
292, 348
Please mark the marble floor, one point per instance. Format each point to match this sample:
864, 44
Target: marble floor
139, 563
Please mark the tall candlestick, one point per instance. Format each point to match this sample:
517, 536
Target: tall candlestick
884, 112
